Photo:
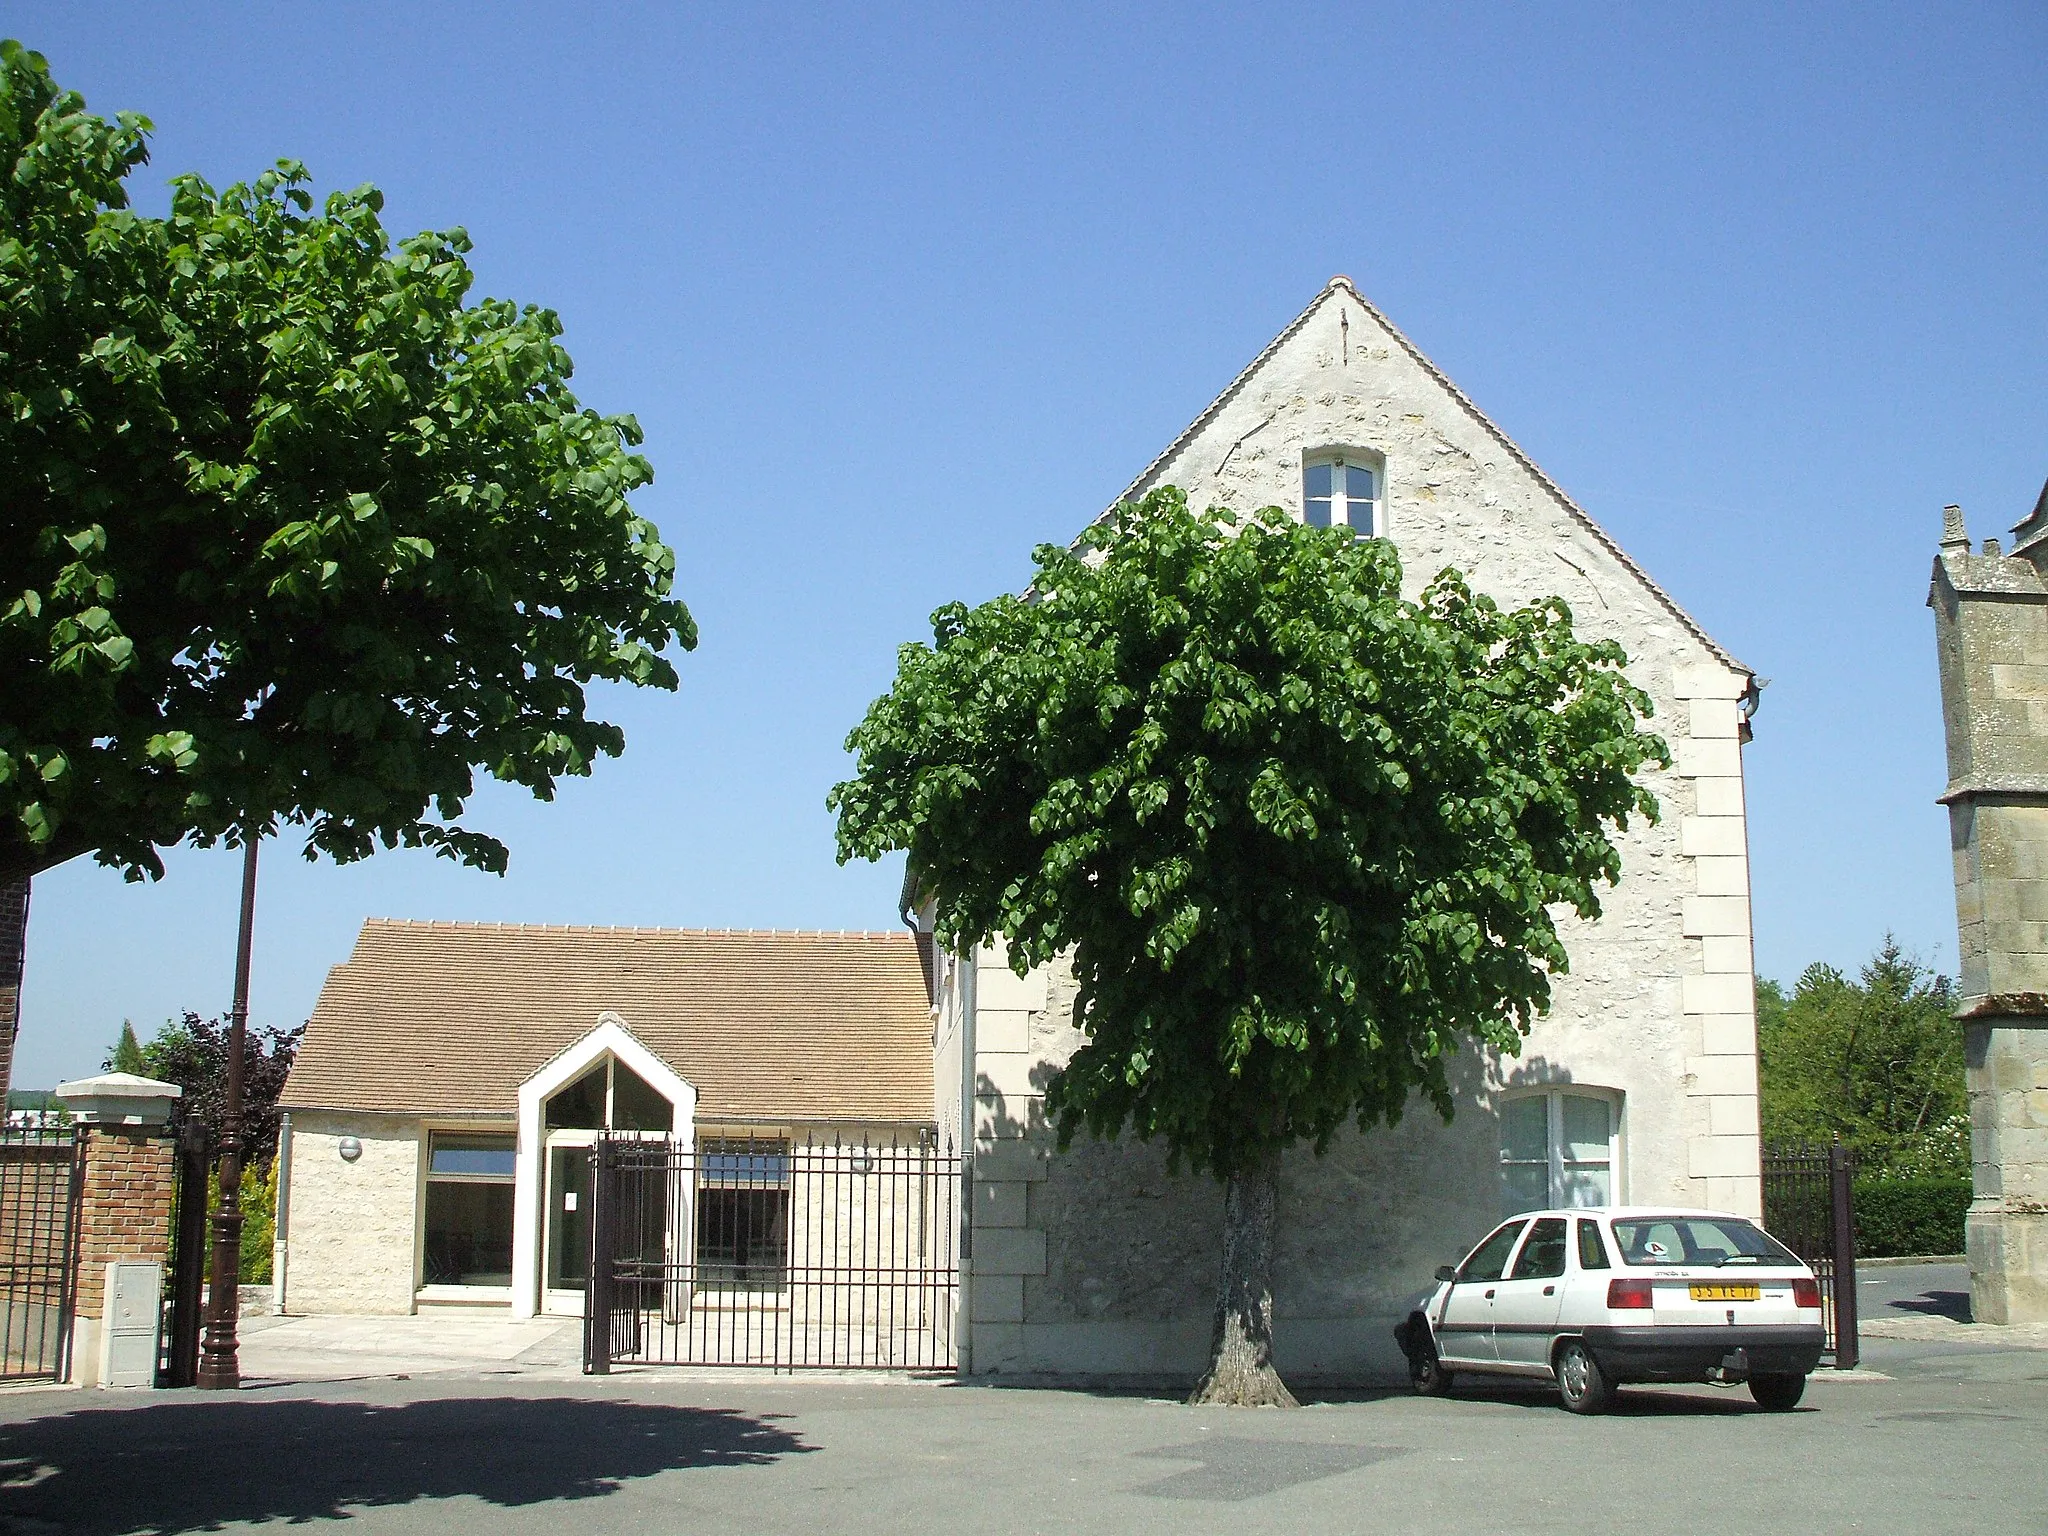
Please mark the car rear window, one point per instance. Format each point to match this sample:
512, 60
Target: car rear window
1715, 1240
1592, 1252
1542, 1257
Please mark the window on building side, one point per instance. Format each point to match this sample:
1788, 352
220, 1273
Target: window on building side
469, 1210
743, 1214
1338, 493
1558, 1148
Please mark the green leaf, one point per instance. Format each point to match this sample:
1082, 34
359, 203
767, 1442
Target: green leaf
1297, 836
304, 532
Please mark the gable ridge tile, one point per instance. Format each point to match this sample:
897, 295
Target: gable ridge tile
460, 926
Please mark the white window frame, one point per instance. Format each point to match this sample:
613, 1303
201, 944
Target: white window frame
1554, 1143
472, 1294
1345, 509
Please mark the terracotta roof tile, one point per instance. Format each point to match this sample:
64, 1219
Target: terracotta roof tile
449, 1018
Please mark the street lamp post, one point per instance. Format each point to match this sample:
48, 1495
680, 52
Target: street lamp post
219, 1367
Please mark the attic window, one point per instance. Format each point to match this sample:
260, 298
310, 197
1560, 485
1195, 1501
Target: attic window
1337, 492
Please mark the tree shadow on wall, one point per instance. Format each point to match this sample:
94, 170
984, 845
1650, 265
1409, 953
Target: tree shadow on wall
187, 1464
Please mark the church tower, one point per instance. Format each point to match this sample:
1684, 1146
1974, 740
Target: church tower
1991, 633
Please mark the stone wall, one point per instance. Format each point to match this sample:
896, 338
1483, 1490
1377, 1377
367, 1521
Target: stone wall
353, 1241
1102, 1261
1991, 639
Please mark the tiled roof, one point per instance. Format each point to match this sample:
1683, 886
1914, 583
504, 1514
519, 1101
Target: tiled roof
449, 1018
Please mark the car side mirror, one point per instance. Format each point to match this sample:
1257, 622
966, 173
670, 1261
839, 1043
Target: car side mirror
1447, 1271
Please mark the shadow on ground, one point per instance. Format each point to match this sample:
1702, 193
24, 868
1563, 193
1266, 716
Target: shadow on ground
1954, 1305
188, 1464
1682, 1400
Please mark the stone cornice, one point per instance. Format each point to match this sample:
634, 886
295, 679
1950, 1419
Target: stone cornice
2016, 786
2028, 1007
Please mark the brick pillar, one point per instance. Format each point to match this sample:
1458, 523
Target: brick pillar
124, 1202
13, 954
124, 1208
124, 1212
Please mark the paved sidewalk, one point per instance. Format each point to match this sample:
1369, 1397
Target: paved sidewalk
436, 1341
1931, 1303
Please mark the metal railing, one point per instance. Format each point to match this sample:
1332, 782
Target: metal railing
185, 1292
1809, 1207
820, 1253
39, 1189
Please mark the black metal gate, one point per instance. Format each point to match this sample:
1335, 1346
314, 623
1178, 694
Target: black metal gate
39, 1188
184, 1296
761, 1251
1808, 1206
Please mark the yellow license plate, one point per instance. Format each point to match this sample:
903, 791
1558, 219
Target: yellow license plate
1724, 1292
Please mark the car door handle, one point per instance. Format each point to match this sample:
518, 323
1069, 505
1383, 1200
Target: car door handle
1489, 1295
1550, 1290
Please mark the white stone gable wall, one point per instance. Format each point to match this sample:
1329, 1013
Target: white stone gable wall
1099, 1260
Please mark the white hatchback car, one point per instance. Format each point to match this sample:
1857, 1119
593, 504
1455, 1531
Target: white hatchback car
1592, 1299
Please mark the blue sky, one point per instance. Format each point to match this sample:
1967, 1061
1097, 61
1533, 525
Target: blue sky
899, 295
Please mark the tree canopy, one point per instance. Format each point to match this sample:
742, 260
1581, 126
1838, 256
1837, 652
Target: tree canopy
127, 1054
1877, 1061
194, 1053
1298, 836
295, 532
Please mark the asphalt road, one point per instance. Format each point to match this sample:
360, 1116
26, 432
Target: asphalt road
1927, 1290
1952, 1441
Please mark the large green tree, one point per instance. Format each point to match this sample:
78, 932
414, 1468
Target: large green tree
1876, 1060
1300, 838
294, 532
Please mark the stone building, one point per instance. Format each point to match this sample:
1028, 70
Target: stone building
454, 1076
1641, 1084
1991, 635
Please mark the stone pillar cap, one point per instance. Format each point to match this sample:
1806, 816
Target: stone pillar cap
119, 1098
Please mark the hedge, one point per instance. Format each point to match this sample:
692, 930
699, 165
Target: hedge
1898, 1217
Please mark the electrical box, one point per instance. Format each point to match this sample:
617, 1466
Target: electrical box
129, 1329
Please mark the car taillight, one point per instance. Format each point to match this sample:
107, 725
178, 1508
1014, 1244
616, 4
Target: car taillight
1805, 1293
1628, 1295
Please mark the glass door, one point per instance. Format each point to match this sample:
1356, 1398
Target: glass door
568, 1227
608, 1099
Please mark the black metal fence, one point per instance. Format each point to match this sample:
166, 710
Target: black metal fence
1808, 1206
760, 1251
185, 1294
40, 1174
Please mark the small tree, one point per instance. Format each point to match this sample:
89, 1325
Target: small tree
127, 1054
193, 1053
293, 532
1299, 837
1877, 1061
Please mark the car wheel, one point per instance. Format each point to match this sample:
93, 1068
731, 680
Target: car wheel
1777, 1394
1427, 1375
1580, 1381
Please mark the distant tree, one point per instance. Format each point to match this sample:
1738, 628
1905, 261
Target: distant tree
1299, 837
1877, 1061
294, 533
127, 1054
193, 1053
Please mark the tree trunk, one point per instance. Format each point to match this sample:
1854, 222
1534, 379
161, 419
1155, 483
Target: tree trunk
1241, 1370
